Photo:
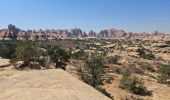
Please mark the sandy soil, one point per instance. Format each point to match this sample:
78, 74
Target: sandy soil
159, 91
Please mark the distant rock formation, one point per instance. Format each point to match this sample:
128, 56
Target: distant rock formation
158, 35
21, 35
51, 36
10, 33
92, 34
13, 33
76, 32
40, 35
110, 33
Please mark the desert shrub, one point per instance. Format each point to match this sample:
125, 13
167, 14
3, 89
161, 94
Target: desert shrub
149, 56
132, 84
112, 59
146, 54
93, 70
132, 68
149, 68
7, 49
103, 91
42, 62
131, 98
59, 56
29, 53
79, 55
164, 72
118, 69
141, 51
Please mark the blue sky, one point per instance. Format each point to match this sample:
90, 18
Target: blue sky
130, 15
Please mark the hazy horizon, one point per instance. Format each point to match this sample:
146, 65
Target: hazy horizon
129, 15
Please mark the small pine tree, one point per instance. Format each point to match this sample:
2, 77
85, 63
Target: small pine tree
93, 70
58, 56
27, 52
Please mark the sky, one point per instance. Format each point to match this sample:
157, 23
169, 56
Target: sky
129, 15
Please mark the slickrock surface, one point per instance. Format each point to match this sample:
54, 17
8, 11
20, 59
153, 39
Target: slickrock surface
4, 62
44, 85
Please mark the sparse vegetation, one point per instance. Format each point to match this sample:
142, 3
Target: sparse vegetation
29, 53
146, 54
149, 56
79, 55
164, 72
118, 69
58, 56
102, 90
93, 70
132, 84
149, 68
132, 68
112, 59
99, 63
7, 49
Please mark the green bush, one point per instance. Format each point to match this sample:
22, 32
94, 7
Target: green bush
29, 53
149, 68
59, 56
164, 76
132, 84
93, 70
7, 49
149, 56
112, 59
